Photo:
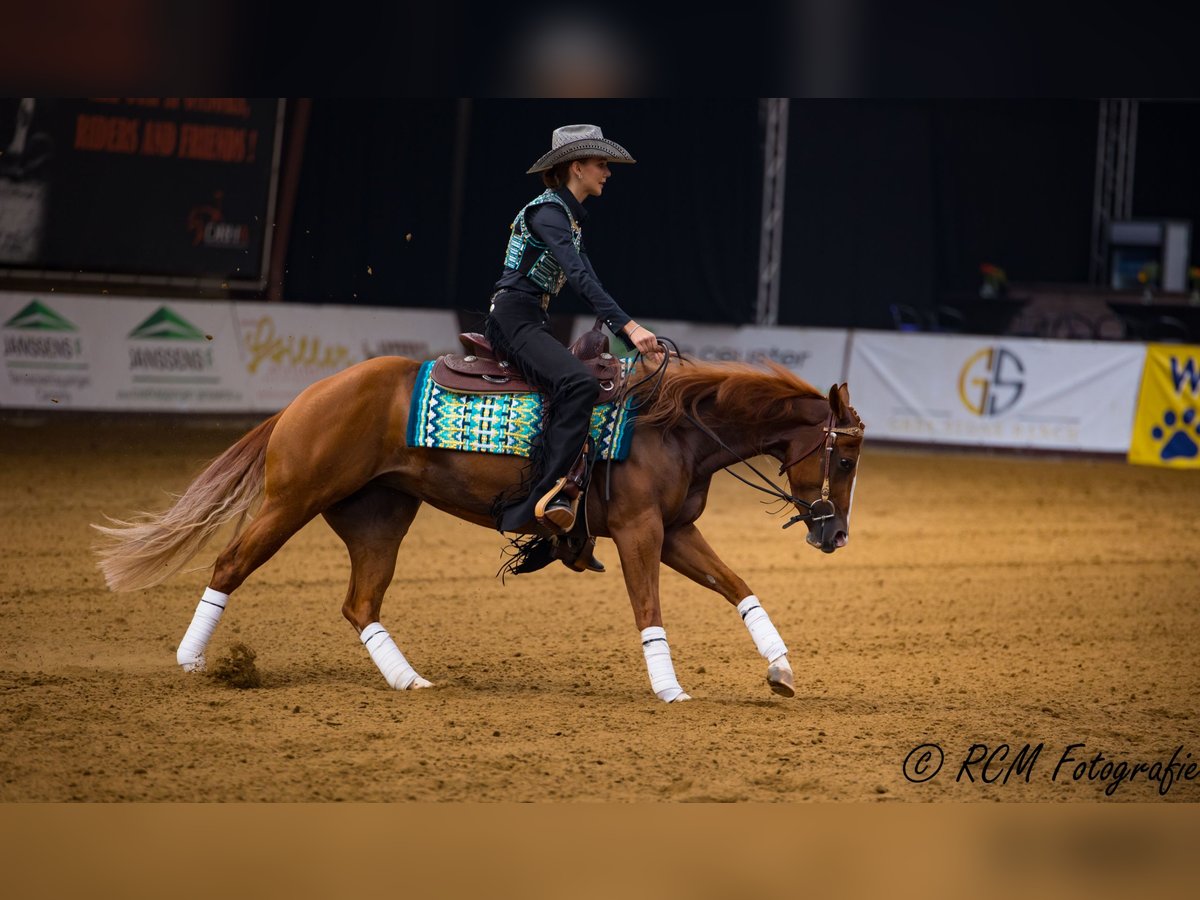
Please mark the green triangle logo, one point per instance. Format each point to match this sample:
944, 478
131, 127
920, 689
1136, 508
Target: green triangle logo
39, 317
166, 325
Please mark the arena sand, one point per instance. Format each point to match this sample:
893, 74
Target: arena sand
983, 599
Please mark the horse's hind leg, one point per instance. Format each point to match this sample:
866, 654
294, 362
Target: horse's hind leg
373, 522
274, 524
687, 552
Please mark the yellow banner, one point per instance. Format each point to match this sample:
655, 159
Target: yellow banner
1166, 429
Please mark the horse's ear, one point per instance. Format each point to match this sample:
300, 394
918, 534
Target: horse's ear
838, 401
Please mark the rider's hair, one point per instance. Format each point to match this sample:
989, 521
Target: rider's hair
557, 177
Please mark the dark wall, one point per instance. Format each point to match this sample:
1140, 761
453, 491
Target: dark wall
1014, 183
1167, 181
675, 235
375, 171
858, 223
900, 202
887, 201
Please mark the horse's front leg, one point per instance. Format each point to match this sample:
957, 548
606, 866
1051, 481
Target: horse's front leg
639, 542
687, 552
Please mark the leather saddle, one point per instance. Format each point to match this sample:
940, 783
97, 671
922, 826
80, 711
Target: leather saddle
480, 371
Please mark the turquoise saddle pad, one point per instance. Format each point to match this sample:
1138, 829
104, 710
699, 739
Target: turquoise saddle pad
500, 423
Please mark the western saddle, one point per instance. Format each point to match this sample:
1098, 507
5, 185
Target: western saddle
481, 371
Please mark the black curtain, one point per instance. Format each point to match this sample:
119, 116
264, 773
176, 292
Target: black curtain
858, 223
1166, 181
372, 214
887, 202
900, 202
674, 236
1014, 182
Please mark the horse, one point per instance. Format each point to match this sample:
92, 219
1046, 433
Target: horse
339, 450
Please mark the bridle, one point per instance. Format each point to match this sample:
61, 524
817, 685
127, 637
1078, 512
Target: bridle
830, 431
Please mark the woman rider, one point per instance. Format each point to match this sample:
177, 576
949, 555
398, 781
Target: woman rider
546, 251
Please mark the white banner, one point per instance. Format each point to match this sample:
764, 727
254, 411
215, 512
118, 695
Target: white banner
1062, 395
285, 348
815, 354
88, 352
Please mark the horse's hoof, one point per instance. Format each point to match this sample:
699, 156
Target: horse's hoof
419, 683
781, 681
681, 698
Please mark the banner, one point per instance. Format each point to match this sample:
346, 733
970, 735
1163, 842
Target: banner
1061, 395
147, 187
286, 347
815, 354
1166, 430
85, 352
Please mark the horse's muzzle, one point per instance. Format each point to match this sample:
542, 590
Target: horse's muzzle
829, 539
826, 529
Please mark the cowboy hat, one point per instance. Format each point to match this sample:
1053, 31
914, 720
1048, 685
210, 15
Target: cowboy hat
580, 142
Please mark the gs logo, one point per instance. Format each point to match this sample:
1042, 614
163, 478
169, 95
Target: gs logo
991, 381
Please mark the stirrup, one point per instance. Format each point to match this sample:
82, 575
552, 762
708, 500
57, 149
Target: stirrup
555, 511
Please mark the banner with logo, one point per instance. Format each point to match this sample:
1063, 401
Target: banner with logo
1166, 431
1062, 395
818, 355
49, 358
286, 347
148, 186
86, 352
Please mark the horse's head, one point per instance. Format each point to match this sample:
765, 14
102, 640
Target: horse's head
821, 464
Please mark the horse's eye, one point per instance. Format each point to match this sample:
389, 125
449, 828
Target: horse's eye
846, 464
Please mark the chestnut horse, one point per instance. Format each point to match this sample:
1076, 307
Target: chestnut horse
339, 450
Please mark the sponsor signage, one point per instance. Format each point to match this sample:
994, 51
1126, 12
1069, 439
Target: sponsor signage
1166, 431
179, 355
44, 354
138, 188
1063, 395
91, 352
815, 354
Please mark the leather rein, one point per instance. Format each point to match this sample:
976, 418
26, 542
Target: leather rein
831, 432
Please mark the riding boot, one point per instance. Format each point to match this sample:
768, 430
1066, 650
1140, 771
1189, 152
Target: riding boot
576, 547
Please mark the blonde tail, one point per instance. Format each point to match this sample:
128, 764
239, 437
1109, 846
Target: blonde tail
151, 548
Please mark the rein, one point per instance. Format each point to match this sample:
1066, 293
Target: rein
669, 347
772, 488
830, 440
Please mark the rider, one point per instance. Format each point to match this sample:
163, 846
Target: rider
545, 251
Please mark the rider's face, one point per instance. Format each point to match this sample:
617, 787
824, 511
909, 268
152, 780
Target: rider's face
590, 175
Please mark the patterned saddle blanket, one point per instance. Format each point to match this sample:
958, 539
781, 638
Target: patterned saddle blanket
502, 423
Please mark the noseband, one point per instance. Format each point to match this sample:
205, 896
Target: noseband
831, 431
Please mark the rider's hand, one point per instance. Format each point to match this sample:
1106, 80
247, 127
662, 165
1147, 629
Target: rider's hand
643, 339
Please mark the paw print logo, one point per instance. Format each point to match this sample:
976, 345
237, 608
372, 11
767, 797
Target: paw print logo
1180, 434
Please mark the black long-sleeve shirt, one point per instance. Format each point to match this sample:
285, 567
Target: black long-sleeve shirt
549, 224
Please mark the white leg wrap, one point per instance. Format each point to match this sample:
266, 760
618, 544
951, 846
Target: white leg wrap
658, 662
395, 668
758, 623
190, 654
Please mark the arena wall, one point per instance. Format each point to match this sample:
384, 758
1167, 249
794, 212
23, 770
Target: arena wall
82, 352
